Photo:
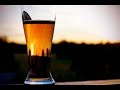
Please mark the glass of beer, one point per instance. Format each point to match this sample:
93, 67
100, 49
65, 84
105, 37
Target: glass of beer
38, 24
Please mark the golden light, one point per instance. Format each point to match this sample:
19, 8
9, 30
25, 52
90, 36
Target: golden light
32, 49
39, 37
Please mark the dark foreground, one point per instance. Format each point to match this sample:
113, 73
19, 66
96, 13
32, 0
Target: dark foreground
69, 62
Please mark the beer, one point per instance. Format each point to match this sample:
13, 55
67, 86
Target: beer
39, 36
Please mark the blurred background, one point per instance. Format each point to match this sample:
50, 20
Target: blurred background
86, 43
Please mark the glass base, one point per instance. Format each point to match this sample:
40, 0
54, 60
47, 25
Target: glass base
39, 81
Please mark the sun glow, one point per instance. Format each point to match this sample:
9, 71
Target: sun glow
74, 23
32, 49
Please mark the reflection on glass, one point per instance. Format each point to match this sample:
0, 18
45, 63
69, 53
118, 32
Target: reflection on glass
38, 34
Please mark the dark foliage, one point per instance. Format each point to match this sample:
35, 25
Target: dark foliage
88, 61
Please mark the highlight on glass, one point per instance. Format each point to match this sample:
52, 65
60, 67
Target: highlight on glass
38, 24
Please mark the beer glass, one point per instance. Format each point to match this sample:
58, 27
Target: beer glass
38, 24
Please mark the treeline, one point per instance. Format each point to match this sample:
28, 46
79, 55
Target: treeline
88, 61
7, 51
91, 61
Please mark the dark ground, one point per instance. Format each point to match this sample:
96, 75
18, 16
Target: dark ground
69, 62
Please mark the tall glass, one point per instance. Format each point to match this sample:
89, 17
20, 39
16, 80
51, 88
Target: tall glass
38, 24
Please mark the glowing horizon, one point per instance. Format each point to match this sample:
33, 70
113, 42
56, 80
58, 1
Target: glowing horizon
74, 23
21, 40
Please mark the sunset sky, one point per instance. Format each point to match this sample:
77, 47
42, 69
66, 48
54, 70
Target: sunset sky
77, 23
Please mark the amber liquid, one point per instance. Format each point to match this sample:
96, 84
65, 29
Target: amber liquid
39, 36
